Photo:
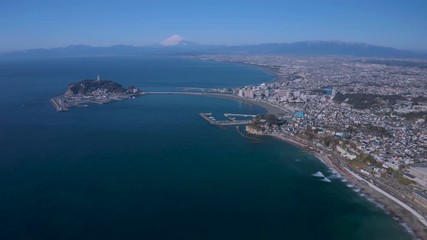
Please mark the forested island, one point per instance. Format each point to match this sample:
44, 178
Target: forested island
90, 91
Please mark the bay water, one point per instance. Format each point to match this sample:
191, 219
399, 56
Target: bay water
151, 168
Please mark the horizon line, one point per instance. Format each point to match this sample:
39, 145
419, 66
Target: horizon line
157, 44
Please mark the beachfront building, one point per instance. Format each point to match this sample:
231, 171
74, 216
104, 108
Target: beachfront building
249, 93
345, 154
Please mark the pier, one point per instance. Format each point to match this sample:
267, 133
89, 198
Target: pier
58, 105
238, 115
211, 120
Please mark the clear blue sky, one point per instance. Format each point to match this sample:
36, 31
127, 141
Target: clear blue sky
53, 23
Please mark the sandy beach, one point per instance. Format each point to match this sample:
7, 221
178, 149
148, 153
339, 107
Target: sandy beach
272, 109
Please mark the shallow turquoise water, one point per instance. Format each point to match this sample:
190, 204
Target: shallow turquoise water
151, 168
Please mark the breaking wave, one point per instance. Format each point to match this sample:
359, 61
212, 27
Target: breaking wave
325, 179
409, 230
335, 174
318, 174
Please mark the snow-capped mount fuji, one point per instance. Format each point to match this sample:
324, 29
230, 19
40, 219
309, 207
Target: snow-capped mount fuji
177, 41
172, 41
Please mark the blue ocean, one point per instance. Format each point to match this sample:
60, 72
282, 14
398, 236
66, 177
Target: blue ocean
151, 168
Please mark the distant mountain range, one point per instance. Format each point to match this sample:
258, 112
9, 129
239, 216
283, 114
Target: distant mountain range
181, 47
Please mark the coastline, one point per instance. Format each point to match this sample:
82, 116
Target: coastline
268, 107
407, 218
410, 219
396, 209
371, 192
269, 70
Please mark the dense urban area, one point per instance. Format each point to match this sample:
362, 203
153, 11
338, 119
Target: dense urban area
367, 114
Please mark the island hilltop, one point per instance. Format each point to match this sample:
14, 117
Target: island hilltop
92, 91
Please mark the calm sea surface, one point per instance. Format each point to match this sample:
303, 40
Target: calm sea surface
151, 168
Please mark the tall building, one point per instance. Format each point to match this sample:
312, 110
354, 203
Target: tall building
284, 93
249, 93
240, 93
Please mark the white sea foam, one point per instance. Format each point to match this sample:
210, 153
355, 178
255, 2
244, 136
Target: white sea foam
321, 160
318, 174
381, 206
325, 179
409, 230
401, 223
377, 204
335, 176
